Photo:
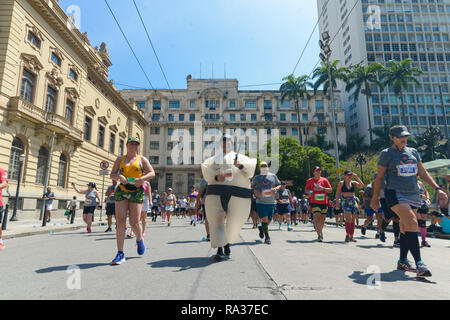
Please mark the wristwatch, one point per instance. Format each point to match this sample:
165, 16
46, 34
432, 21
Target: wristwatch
241, 167
439, 188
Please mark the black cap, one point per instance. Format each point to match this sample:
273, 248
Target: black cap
283, 183
399, 132
347, 173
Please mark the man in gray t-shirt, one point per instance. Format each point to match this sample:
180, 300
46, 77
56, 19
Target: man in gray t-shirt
265, 187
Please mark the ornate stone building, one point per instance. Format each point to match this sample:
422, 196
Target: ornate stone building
52, 80
217, 106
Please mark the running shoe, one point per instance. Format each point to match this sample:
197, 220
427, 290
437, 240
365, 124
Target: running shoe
396, 244
261, 232
255, 226
2, 246
425, 244
208, 237
422, 270
290, 228
347, 239
140, 247
319, 238
108, 230
377, 236
267, 240
352, 240
227, 250
88, 230
363, 231
382, 237
119, 259
219, 255
405, 266
280, 227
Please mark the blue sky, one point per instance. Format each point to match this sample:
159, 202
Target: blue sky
260, 41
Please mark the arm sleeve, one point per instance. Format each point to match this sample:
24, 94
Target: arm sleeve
384, 159
417, 155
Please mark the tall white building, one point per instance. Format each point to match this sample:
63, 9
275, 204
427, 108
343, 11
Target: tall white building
218, 106
383, 30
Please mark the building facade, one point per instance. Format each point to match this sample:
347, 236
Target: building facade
376, 30
216, 106
52, 80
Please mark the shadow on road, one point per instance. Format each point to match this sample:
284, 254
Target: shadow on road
379, 246
83, 266
256, 242
183, 264
183, 242
393, 276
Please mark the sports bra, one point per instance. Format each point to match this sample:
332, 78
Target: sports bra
345, 189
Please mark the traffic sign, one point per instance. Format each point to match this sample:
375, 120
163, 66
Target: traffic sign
104, 165
104, 173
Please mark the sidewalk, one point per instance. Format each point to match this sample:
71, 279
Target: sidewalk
17, 229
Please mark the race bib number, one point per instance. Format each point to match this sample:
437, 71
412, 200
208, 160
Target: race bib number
407, 170
319, 197
267, 193
88, 201
169, 208
284, 201
192, 205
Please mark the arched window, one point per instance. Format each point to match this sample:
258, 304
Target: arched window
41, 165
17, 148
62, 170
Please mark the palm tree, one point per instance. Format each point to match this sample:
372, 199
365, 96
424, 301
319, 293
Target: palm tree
428, 143
321, 74
355, 144
361, 78
399, 75
296, 89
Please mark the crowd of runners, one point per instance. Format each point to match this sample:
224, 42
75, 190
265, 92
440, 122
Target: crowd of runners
395, 195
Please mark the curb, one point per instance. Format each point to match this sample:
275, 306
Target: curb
47, 231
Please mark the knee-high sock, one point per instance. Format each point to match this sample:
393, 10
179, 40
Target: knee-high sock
347, 228
413, 245
396, 226
352, 229
423, 233
403, 247
265, 228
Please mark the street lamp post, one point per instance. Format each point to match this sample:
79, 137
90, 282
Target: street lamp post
325, 57
361, 160
16, 202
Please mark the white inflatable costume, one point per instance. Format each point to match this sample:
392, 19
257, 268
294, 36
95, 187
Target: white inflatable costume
230, 199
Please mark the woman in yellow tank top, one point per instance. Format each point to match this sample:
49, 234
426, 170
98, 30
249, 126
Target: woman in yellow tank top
131, 171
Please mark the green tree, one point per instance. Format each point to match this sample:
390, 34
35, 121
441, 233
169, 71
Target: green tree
382, 137
360, 79
429, 146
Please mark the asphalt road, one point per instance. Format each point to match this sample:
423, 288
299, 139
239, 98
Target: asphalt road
179, 265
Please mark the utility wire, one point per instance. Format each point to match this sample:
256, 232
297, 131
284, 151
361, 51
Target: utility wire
151, 43
131, 48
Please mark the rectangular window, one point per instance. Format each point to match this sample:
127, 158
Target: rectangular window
87, 128
250, 104
319, 105
212, 104
232, 104
192, 104
282, 116
295, 131
192, 117
155, 130
73, 75
243, 117
174, 104
27, 87
253, 117
50, 101
171, 117
286, 104
121, 147
112, 142
156, 116
140, 104
70, 107
156, 105
293, 117
267, 104
55, 59
34, 40
232, 117
154, 145
181, 117
101, 136
169, 179
304, 116
153, 160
